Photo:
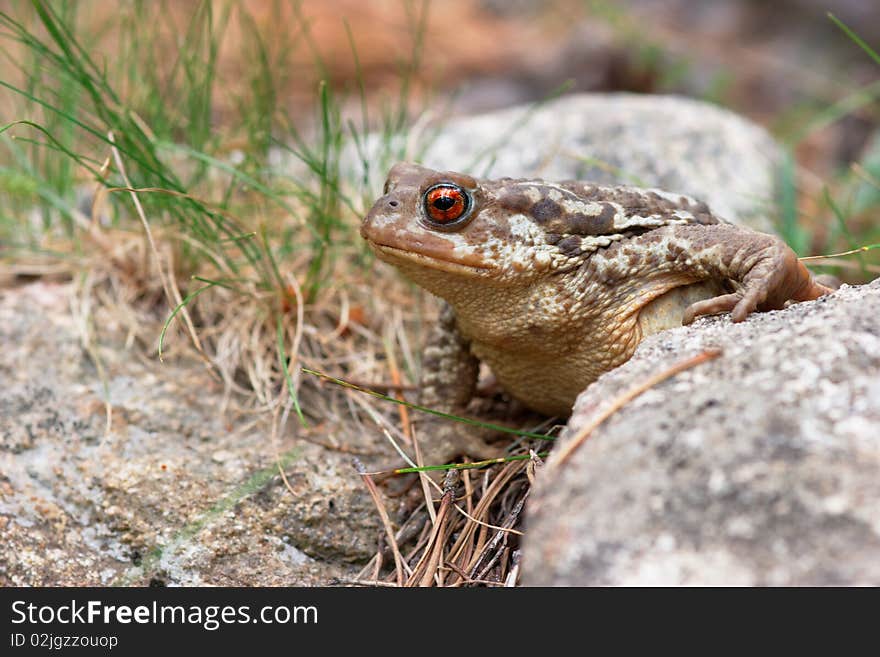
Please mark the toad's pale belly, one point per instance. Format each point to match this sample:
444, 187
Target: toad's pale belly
550, 382
666, 310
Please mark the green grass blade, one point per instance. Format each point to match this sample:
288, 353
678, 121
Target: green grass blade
189, 297
790, 228
840, 215
282, 358
55, 144
430, 411
469, 466
854, 37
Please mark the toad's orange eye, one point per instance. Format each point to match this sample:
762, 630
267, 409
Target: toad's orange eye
446, 204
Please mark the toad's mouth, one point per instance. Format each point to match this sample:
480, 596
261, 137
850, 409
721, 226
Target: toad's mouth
470, 265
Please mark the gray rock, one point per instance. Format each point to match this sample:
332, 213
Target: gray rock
174, 492
674, 143
758, 468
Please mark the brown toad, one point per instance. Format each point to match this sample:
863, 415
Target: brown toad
553, 284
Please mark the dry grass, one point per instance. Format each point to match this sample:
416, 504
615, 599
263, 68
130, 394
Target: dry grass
472, 538
462, 533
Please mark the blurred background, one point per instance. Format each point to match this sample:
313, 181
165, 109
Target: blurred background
775, 62
225, 76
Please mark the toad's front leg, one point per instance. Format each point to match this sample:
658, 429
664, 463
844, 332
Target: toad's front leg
448, 382
763, 270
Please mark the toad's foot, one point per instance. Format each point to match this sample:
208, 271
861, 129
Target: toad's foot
770, 275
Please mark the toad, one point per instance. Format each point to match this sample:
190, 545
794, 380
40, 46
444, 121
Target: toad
552, 284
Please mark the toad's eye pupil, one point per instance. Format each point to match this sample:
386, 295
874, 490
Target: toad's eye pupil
446, 204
